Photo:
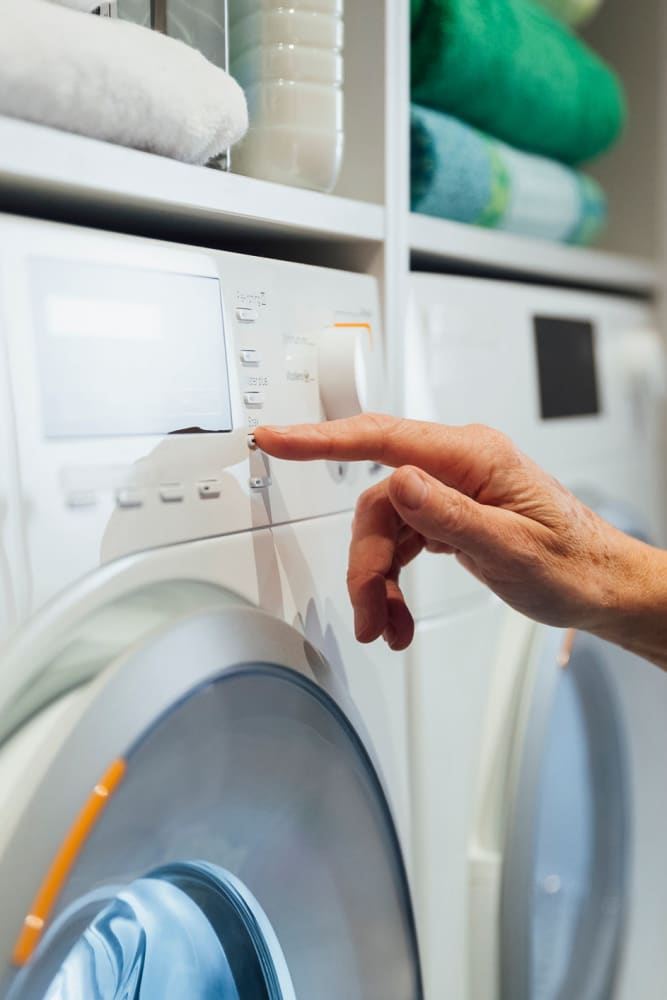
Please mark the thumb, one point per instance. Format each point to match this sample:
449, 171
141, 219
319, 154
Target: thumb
446, 515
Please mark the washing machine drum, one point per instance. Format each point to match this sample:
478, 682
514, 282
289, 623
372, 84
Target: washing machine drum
237, 843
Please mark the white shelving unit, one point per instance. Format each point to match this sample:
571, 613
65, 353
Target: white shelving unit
366, 224
73, 170
439, 242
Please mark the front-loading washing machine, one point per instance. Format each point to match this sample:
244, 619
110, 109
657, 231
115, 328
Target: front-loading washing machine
203, 781
539, 809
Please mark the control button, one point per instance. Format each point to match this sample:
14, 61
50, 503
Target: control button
260, 482
349, 370
250, 357
129, 497
252, 444
246, 315
81, 498
171, 492
253, 399
210, 489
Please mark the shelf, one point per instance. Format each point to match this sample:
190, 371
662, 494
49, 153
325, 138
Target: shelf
60, 175
38, 162
452, 245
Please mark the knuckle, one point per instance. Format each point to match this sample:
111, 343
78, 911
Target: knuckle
382, 421
323, 433
393, 430
383, 426
491, 438
361, 581
454, 512
480, 431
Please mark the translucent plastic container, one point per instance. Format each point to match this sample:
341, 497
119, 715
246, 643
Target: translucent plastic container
289, 60
286, 102
300, 157
240, 8
286, 26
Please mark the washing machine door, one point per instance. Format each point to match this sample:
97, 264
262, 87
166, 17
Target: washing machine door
194, 813
566, 852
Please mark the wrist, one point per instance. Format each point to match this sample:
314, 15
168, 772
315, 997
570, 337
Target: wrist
629, 607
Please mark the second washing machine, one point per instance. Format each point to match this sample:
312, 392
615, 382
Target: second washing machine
538, 802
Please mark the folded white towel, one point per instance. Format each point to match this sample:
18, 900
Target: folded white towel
116, 81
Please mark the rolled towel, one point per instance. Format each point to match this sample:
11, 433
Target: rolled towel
575, 12
116, 81
511, 69
460, 174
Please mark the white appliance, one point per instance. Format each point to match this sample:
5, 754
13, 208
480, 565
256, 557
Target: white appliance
539, 801
196, 758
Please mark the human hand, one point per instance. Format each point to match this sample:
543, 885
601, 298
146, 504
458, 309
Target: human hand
468, 492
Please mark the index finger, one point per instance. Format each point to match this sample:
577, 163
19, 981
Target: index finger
450, 453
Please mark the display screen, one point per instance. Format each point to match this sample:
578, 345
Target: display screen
125, 351
566, 367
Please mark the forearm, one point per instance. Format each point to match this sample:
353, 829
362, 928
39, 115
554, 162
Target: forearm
633, 612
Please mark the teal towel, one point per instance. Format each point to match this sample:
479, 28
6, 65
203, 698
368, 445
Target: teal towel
513, 70
462, 175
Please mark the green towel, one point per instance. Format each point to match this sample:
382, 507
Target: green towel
415, 9
511, 69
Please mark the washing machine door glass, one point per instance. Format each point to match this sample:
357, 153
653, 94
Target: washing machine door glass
188, 929
248, 850
566, 860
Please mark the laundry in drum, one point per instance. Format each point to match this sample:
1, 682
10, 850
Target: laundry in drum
189, 929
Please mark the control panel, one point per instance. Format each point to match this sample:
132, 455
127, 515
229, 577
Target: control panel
137, 371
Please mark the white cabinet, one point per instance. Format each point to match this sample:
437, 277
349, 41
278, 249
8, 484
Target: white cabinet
366, 223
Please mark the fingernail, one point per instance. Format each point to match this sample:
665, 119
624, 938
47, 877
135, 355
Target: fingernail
389, 635
412, 490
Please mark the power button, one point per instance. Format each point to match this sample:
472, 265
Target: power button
246, 315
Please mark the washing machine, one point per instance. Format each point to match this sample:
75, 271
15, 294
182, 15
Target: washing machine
203, 781
539, 805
